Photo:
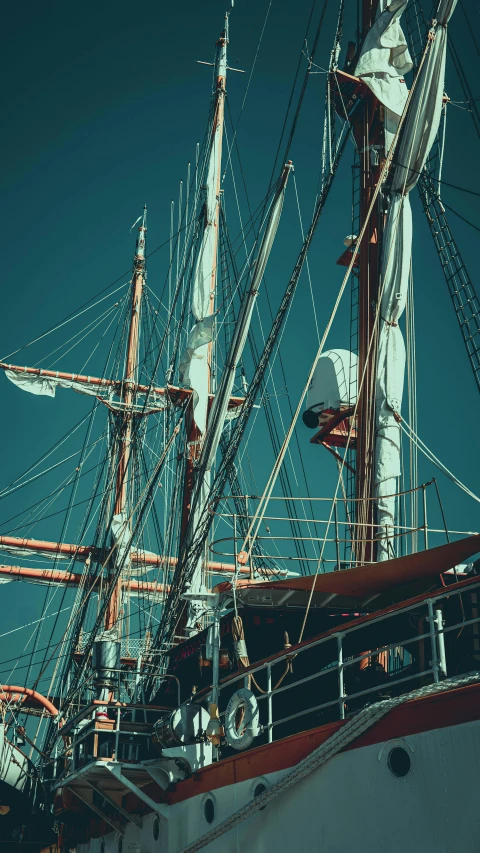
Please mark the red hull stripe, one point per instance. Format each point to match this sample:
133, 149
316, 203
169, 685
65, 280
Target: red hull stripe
421, 715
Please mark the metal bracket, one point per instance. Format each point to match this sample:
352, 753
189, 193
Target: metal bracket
116, 770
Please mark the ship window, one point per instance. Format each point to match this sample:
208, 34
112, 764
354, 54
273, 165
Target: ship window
209, 810
399, 762
259, 789
156, 829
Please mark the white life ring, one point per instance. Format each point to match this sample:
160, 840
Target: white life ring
240, 736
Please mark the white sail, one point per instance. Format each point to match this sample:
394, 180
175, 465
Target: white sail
384, 59
423, 117
419, 132
194, 363
46, 386
194, 368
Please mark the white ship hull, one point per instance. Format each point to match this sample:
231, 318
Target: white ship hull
354, 802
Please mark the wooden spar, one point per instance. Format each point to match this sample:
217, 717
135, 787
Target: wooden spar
193, 433
128, 396
369, 133
56, 577
175, 394
83, 552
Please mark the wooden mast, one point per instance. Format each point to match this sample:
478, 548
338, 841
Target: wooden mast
370, 139
127, 396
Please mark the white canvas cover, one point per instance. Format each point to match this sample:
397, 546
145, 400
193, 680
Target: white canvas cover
334, 381
418, 134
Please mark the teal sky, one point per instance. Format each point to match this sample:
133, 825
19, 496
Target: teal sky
103, 105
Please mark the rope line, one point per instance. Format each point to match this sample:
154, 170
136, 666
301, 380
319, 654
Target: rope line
246, 90
258, 517
412, 436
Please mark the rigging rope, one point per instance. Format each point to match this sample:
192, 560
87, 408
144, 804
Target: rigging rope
188, 561
258, 517
306, 260
86, 305
246, 90
265, 401
140, 508
271, 420
408, 430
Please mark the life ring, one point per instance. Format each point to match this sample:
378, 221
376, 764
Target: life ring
240, 734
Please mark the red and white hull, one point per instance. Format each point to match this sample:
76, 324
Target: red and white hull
353, 802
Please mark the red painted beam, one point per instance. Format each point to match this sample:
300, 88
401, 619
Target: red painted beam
82, 552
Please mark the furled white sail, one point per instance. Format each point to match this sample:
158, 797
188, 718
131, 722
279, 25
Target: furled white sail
121, 537
194, 366
384, 59
419, 131
423, 118
46, 386
194, 361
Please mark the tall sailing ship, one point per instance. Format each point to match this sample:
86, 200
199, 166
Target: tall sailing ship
242, 667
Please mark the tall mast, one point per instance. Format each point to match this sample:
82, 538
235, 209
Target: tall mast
217, 129
194, 434
370, 140
122, 486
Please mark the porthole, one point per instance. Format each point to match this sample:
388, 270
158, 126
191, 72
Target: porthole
156, 829
259, 789
209, 810
399, 762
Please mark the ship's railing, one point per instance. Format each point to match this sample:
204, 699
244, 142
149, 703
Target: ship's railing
438, 635
432, 652
324, 540
101, 731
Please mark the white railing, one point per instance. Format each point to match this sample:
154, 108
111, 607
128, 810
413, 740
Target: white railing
332, 539
431, 612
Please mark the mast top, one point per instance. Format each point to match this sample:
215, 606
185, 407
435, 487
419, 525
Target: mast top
225, 32
140, 244
221, 57
220, 63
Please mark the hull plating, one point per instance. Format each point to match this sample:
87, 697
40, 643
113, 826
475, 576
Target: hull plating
355, 802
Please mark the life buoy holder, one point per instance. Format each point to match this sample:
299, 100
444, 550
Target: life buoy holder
240, 733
